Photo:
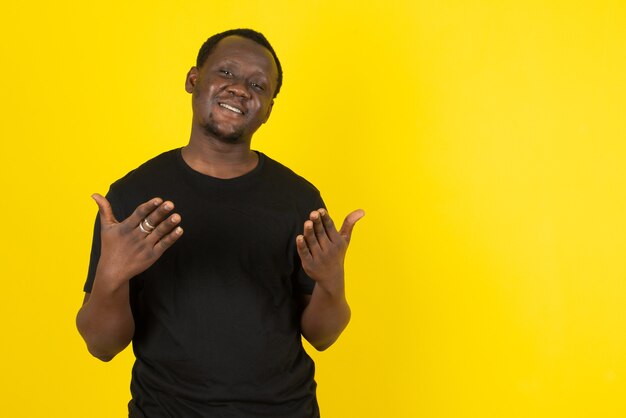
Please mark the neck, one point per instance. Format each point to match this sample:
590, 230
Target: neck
218, 159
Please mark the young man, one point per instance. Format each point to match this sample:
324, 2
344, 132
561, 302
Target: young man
216, 314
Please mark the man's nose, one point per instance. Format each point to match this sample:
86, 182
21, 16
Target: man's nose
239, 89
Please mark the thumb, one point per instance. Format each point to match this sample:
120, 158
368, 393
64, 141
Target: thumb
105, 210
349, 222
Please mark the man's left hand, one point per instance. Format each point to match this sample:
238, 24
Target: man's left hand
322, 248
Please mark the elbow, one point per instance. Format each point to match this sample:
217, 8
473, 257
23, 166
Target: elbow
100, 353
324, 344
322, 347
87, 336
104, 357
95, 349
321, 341
102, 343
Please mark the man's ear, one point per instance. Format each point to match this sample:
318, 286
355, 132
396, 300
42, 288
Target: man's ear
190, 81
269, 111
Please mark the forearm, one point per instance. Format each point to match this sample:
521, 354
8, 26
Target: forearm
322, 250
325, 317
105, 321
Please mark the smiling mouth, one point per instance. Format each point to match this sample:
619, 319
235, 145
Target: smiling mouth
231, 108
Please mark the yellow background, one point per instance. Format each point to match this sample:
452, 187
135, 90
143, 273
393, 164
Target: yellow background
485, 140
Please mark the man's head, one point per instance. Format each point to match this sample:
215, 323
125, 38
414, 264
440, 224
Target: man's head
253, 35
234, 85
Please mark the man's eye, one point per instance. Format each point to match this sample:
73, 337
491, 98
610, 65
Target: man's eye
226, 72
257, 86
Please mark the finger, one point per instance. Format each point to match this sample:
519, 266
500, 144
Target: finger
158, 215
309, 237
303, 250
164, 228
349, 222
329, 225
104, 209
168, 240
142, 211
318, 229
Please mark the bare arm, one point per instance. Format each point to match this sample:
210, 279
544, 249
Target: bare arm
105, 321
322, 250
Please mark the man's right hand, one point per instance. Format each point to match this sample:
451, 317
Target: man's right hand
131, 246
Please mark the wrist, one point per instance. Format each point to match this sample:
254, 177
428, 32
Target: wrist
110, 281
333, 287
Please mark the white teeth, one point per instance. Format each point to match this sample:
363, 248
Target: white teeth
229, 107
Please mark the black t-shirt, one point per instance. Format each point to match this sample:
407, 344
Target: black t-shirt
217, 317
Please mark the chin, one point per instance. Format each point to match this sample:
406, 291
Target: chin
231, 137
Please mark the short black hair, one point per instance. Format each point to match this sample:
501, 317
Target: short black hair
259, 38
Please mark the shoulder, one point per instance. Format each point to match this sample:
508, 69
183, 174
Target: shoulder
159, 167
286, 177
284, 185
143, 183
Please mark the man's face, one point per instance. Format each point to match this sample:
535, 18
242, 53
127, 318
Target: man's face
233, 90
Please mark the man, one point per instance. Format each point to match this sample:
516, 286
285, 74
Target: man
216, 319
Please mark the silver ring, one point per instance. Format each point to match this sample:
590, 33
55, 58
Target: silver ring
143, 228
148, 225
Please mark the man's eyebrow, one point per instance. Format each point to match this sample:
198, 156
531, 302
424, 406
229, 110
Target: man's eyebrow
229, 63
260, 74
237, 65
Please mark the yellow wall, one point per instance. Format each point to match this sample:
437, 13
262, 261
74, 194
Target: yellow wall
484, 139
